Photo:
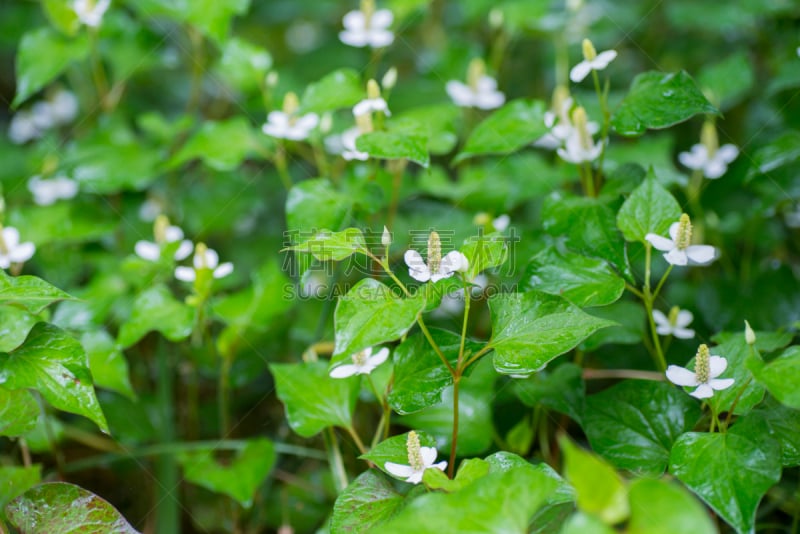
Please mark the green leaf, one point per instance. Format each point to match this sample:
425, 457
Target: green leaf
419, 374
515, 125
369, 500
649, 209
730, 472
110, 162
663, 507
15, 324
780, 376
222, 145
581, 280
658, 100
369, 314
16, 481
19, 412
404, 139
531, 329
727, 82
62, 16
782, 423
62, 508
315, 204
440, 122
239, 477
500, 502
213, 18
484, 252
561, 389
63, 223
630, 317
156, 309
782, 151
634, 423
109, 366
580, 523
55, 364
30, 292
600, 490
243, 64
395, 450
43, 54
590, 227
468, 472
326, 245
341, 88
314, 400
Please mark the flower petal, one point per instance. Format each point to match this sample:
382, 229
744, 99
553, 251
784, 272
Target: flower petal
717, 366
344, 371
147, 250
660, 319
701, 254
441, 466
602, 59
380, 38
417, 269
727, 153
223, 270
428, 455
673, 231
676, 257
660, 242
354, 20
680, 376
460, 93
683, 333
398, 470
382, 19
10, 237
703, 391
714, 169
184, 249
684, 318
358, 39
378, 358
173, 233
721, 383
185, 274
454, 261
695, 159
22, 252
580, 71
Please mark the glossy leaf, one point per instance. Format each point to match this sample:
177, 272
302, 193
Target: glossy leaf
634, 423
579, 279
15, 324
600, 490
497, 503
314, 400
42, 56
54, 363
109, 366
782, 423
649, 209
780, 376
518, 123
484, 252
213, 18
61, 508
369, 500
531, 329
369, 314
239, 477
631, 320
468, 472
315, 204
404, 139
244, 64
327, 245
419, 374
658, 100
341, 88
110, 162
782, 151
561, 389
590, 227
19, 412
222, 145
581, 523
730, 472
394, 449
61, 16
663, 507
156, 310
16, 481
30, 292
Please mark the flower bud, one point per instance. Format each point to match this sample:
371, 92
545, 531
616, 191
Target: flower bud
475, 71
290, 103
326, 123
368, 9
386, 238
749, 335
589, 53
160, 229
200, 254
709, 139
373, 91
581, 123
673, 315
389, 79
482, 219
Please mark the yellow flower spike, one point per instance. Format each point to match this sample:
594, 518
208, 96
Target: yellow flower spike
290, 103
434, 251
702, 364
589, 52
684, 237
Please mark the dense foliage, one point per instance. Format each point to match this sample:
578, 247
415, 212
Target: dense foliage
314, 266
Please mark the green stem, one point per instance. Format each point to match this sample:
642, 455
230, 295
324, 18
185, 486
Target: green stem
634, 290
167, 475
357, 440
736, 401
660, 361
467, 300
282, 166
335, 459
486, 348
196, 40
602, 97
451, 466
25, 451
661, 282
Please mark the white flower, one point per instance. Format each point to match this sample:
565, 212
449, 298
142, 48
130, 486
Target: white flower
370, 105
713, 167
579, 147
501, 223
286, 126
419, 458
482, 94
11, 250
63, 107
364, 362
42, 115
204, 259
704, 377
150, 209
23, 128
150, 251
438, 267
678, 250
367, 27
675, 324
46, 192
90, 12
591, 61
348, 145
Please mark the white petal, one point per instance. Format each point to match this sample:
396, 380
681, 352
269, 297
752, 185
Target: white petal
703, 391
727, 153
701, 254
664, 330
453, 261
273, 130
378, 358
695, 159
308, 121
602, 59
354, 20
382, 19
10, 237
549, 119
501, 223
428, 455
492, 100
567, 156
721, 383
147, 250
380, 38
683, 333
661, 243
580, 71
417, 269
441, 466
184, 250
223, 270
460, 93
354, 38
173, 233
185, 274
415, 478
661, 319
676, 257
398, 470
681, 376
22, 252
714, 169
210, 259
717, 366
684, 318
344, 371
673, 231
4, 262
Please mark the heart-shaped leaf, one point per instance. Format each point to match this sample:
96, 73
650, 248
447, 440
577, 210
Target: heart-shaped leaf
370, 499
19, 412
649, 209
33, 293
157, 310
662, 507
780, 376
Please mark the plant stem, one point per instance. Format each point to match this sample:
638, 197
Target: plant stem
335, 459
281, 165
451, 466
357, 440
602, 97
648, 297
25, 452
600, 374
196, 40
736, 401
